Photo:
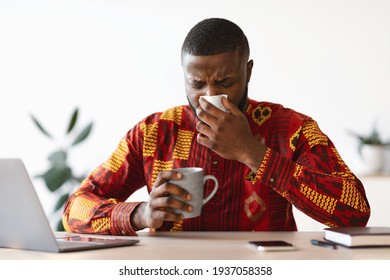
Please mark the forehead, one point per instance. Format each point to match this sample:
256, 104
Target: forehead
219, 65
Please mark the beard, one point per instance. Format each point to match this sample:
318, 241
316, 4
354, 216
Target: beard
241, 104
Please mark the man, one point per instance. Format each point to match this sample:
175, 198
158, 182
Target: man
265, 157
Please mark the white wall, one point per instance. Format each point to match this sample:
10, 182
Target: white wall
119, 60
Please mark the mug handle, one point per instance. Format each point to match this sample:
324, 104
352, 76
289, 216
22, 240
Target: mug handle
210, 177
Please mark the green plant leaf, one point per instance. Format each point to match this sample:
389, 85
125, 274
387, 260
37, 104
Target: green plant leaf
83, 134
61, 201
371, 139
58, 158
40, 127
60, 226
56, 176
73, 121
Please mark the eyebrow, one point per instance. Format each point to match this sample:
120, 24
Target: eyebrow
224, 80
197, 80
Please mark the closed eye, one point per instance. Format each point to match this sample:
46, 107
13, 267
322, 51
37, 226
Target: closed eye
197, 84
226, 83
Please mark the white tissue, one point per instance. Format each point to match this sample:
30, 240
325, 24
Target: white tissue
216, 100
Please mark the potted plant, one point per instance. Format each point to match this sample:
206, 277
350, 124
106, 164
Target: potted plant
60, 178
371, 148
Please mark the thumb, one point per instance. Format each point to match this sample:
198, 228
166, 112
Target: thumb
233, 109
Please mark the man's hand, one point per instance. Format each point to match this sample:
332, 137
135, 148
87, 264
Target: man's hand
228, 134
161, 205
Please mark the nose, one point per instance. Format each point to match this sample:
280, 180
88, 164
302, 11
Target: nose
211, 90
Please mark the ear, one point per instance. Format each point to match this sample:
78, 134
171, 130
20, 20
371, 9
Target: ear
249, 66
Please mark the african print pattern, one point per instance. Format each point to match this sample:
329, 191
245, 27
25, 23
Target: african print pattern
300, 167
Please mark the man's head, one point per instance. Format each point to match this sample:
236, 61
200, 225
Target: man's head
215, 36
215, 57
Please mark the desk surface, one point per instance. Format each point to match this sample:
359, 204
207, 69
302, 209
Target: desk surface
209, 246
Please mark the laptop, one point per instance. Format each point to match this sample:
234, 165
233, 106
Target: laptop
23, 222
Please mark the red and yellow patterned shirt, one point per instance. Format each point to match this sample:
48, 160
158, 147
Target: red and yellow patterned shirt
301, 167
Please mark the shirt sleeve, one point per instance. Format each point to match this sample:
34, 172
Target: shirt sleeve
99, 205
316, 181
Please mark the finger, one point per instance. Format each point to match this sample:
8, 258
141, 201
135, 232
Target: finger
165, 176
174, 190
175, 211
157, 218
203, 140
202, 115
231, 106
169, 204
208, 113
166, 216
169, 189
210, 108
203, 128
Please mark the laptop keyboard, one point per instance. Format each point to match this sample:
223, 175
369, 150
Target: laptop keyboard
81, 242
74, 244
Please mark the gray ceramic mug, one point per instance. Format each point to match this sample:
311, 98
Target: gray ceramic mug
193, 181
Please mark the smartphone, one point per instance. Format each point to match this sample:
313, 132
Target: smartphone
272, 245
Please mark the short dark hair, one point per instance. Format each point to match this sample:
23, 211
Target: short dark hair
214, 36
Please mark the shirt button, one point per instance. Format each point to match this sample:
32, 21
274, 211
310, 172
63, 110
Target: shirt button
215, 162
272, 180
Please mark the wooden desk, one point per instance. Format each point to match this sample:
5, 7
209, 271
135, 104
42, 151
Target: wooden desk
209, 246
